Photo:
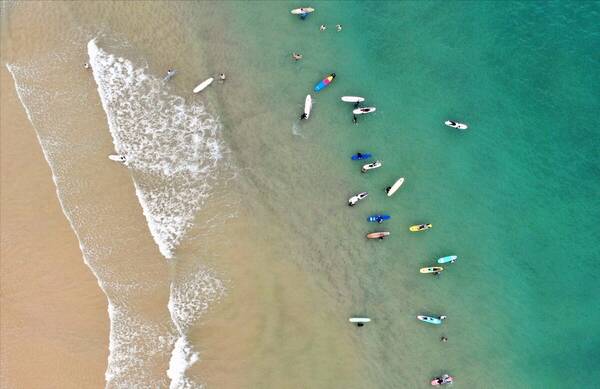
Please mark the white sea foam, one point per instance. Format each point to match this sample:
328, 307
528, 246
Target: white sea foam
190, 297
172, 146
134, 344
174, 152
182, 358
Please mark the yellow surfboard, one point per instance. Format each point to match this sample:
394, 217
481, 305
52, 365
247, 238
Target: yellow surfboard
420, 227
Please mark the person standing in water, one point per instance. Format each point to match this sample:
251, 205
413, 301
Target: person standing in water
170, 74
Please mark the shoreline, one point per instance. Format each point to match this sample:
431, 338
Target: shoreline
53, 311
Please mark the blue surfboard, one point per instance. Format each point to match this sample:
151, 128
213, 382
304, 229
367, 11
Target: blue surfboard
357, 157
449, 258
324, 83
378, 218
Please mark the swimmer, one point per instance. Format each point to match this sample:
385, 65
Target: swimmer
354, 119
323, 27
443, 339
338, 27
296, 56
222, 77
86, 65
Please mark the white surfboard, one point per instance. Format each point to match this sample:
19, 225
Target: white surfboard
359, 320
396, 186
457, 125
353, 99
203, 85
362, 111
300, 11
371, 166
307, 106
117, 158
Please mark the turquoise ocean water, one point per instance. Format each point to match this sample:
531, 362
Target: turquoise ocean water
515, 197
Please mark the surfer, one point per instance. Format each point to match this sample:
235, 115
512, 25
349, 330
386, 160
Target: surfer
387, 190
323, 27
222, 77
356, 104
354, 119
303, 116
170, 74
338, 27
296, 56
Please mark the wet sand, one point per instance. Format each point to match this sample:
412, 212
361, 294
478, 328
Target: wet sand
54, 326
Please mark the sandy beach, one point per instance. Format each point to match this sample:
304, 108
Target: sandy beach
53, 313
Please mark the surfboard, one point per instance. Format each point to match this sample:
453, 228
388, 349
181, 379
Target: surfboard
371, 166
417, 227
429, 319
356, 157
453, 124
396, 186
117, 158
378, 235
307, 106
359, 320
362, 111
376, 218
353, 99
433, 269
447, 259
324, 82
203, 85
300, 11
